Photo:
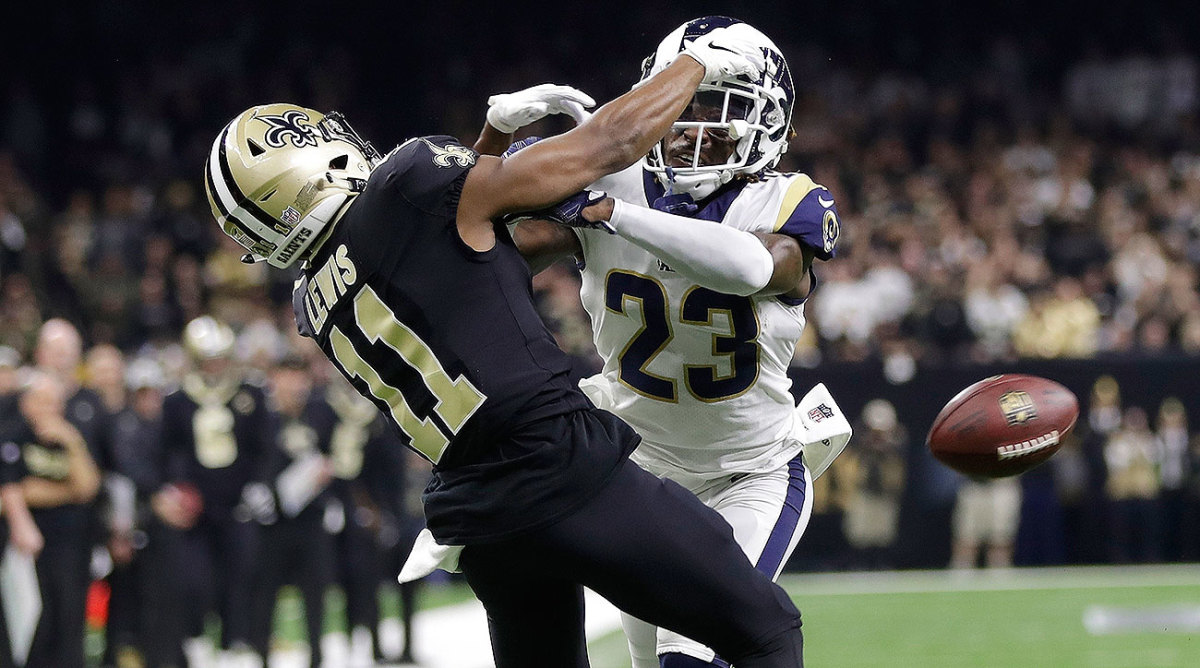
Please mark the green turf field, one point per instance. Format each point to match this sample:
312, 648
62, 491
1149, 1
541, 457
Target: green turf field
1145, 617
991, 620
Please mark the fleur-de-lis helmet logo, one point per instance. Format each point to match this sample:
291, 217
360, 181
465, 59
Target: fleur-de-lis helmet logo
292, 125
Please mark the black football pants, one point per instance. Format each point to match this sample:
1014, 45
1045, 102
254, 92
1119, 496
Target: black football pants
63, 577
293, 551
216, 561
653, 550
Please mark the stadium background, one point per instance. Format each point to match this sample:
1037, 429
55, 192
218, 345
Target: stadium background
1019, 184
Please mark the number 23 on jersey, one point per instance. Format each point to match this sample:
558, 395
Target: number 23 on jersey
698, 307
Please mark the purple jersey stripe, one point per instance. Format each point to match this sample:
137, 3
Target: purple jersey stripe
781, 535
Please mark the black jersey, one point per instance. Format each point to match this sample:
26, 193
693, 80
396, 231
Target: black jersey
137, 451
216, 438
49, 460
85, 411
367, 457
297, 438
11, 467
447, 342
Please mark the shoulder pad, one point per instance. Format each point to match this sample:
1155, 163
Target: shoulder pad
808, 214
441, 151
422, 169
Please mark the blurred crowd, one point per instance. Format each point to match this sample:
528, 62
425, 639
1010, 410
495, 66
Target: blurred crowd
985, 226
991, 208
984, 220
167, 507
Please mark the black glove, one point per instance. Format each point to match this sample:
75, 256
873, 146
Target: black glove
680, 204
520, 144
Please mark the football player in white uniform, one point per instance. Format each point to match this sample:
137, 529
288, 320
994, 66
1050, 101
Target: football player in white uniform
695, 271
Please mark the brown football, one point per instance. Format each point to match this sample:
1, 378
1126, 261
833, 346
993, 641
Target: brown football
1003, 425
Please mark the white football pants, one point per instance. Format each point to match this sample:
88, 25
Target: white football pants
768, 512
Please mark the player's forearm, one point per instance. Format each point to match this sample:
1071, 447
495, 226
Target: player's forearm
42, 493
84, 475
616, 136
12, 503
624, 130
543, 243
23, 531
492, 141
715, 256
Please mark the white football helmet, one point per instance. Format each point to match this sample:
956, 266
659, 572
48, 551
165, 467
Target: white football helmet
756, 114
278, 174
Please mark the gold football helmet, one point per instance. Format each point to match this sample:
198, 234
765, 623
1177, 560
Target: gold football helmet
207, 338
278, 174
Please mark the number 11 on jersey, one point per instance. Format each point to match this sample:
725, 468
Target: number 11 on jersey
457, 399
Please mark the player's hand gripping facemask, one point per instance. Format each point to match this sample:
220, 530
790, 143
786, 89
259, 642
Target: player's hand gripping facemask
737, 124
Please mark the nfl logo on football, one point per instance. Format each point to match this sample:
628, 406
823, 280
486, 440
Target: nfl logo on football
1017, 407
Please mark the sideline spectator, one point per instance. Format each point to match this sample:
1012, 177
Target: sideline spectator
1133, 488
986, 515
873, 514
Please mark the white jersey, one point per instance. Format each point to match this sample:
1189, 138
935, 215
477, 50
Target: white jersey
701, 375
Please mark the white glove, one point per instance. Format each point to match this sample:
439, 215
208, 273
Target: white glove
257, 504
725, 53
509, 111
428, 555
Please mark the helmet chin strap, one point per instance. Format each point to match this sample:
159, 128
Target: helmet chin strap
313, 228
698, 186
307, 231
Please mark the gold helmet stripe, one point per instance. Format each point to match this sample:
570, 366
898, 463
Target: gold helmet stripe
227, 218
252, 219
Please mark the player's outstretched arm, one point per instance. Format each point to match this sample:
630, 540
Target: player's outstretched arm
615, 137
715, 256
620, 133
492, 141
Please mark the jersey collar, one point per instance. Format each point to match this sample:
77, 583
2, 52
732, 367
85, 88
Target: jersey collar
712, 208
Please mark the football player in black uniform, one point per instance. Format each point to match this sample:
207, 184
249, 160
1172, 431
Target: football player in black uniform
422, 300
18, 527
296, 548
71, 530
216, 431
370, 484
60, 478
154, 601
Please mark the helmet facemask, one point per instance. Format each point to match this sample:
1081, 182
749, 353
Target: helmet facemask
753, 115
